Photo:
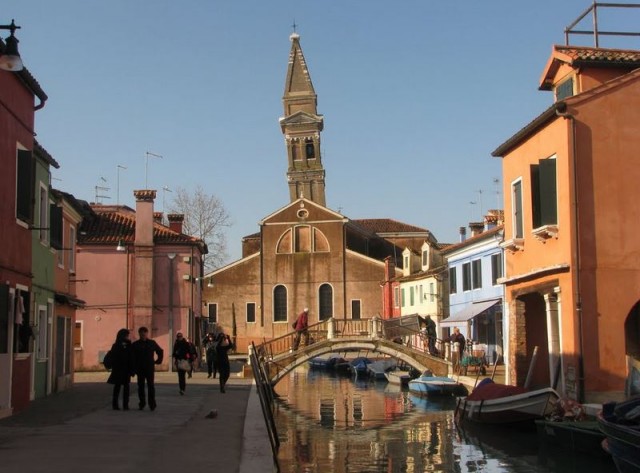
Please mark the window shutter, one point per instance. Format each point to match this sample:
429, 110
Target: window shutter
517, 210
55, 226
4, 318
26, 186
536, 216
548, 192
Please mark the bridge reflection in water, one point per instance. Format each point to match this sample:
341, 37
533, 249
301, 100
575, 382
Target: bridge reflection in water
337, 424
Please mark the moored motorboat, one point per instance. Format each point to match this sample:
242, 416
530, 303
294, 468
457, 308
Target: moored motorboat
620, 423
399, 377
574, 436
492, 403
429, 385
359, 365
378, 368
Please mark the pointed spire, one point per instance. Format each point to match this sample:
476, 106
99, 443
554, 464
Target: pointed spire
298, 81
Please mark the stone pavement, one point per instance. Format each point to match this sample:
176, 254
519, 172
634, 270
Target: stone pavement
77, 431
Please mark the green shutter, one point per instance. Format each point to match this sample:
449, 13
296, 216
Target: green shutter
517, 210
536, 219
55, 226
548, 192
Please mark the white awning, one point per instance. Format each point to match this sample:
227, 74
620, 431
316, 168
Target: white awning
468, 313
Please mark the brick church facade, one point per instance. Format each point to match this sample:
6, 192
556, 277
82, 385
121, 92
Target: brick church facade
305, 254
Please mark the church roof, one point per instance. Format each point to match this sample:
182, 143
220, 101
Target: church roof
110, 224
388, 225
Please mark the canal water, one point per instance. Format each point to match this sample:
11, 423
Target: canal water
330, 423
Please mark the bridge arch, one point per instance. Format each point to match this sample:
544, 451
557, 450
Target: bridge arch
281, 365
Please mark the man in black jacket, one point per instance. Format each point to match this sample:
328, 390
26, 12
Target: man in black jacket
144, 349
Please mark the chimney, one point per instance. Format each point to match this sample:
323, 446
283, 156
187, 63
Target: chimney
144, 216
463, 234
492, 219
157, 217
476, 228
175, 222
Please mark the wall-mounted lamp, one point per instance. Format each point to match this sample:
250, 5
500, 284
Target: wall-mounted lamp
210, 283
10, 57
121, 246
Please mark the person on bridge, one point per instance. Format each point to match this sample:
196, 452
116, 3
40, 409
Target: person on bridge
147, 354
431, 335
301, 326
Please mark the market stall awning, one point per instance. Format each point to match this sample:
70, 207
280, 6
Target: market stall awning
468, 313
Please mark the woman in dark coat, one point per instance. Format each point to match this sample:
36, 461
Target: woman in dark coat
181, 351
222, 358
123, 368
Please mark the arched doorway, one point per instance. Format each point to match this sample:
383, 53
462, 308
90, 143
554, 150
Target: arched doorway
632, 350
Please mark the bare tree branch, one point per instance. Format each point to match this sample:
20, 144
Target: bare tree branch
206, 218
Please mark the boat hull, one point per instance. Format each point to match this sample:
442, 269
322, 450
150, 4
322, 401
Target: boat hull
436, 386
578, 436
401, 378
622, 441
523, 407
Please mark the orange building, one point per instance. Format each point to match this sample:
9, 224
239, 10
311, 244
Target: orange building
572, 204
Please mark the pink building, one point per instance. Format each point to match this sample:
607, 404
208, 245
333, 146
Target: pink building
133, 271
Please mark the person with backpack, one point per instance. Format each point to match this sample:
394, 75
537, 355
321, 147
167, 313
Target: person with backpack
145, 350
121, 360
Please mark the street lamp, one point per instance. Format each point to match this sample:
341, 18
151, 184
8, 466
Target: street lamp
10, 57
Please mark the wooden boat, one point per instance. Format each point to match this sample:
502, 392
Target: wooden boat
378, 368
398, 377
576, 436
492, 403
620, 423
429, 385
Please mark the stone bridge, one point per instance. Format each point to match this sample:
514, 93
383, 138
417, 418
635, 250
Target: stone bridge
339, 335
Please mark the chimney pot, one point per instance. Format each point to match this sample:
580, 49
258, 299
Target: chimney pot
157, 217
175, 222
463, 234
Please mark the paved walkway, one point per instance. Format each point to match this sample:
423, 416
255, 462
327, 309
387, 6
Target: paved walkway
77, 431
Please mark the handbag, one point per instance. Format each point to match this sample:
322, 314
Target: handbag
184, 365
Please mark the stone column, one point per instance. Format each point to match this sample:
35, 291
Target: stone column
331, 328
552, 302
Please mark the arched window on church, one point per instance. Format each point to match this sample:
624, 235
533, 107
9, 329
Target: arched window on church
285, 243
320, 242
280, 304
295, 155
303, 239
310, 151
325, 296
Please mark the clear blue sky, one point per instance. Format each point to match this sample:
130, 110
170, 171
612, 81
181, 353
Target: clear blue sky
415, 94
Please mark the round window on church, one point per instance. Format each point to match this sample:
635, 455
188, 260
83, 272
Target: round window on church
303, 213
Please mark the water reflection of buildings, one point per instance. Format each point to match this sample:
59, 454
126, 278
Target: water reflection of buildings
334, 424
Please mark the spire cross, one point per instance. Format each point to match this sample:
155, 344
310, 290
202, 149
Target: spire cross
294, 26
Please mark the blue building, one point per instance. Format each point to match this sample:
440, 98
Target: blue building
476, 295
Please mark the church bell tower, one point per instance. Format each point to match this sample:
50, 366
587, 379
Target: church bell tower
301, 126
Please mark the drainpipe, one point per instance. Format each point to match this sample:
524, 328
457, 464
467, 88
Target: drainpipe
561, 111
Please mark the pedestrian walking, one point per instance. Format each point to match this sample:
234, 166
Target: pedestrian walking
222, 358
431, 335
301, 326
181, 356
193, 357
122, 369
210, 345
147, 353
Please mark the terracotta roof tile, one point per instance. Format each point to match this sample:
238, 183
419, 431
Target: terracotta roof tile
387, 225
599, 55
111, 224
